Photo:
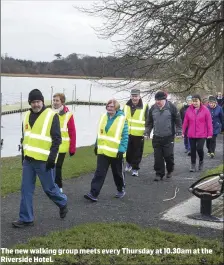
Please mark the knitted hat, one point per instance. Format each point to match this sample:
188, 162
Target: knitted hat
188, 98
135, 91
35, 94
212, 99
196, 96
160, 95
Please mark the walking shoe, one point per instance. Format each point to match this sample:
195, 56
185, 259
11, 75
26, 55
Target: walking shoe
200, 166
120, 194
128, 168
209, 154
63, 211
212, 155
189, 153
169, 175
135, 173
193, 168
90, 197
185, 151
21, 224
158, 177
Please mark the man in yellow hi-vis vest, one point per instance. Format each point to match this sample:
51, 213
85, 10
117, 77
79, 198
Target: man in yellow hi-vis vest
40, 144
68, 134
110, 148
136, 113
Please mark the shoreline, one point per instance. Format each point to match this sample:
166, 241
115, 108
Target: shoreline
69, 77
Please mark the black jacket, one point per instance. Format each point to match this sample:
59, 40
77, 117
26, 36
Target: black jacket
55, 134
183, 111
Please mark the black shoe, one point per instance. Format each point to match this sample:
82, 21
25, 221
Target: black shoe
192, 168
200, 166
21, 224
63, 211
158, 177
169, 175
189, 153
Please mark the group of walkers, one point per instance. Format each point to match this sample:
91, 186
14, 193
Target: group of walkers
49, 133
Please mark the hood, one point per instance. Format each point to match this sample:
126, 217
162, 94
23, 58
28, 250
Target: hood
118, 113
138, 106
65, 109
201, 107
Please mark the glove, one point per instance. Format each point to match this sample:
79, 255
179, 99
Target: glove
71, 154
50, 165
95, 150
120, 155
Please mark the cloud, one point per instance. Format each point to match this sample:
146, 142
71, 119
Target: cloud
37, 30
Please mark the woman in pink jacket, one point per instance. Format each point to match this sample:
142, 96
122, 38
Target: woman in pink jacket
198, 121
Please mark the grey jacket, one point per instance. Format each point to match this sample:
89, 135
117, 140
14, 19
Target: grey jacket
165, 121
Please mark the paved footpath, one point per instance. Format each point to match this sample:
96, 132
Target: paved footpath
142, 205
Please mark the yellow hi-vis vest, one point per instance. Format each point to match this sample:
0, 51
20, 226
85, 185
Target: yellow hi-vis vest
37, 140
136, 123
64, 147
108, 142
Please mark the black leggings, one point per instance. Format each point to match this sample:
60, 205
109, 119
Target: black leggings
197, 145
211, 144
58, 177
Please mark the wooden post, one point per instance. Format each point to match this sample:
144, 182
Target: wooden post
52, 90
90, 93
21, 101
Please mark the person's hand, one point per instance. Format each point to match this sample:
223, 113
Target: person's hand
120, 155
50, 164
146, 137
209, 137
71, 154
95, 150
182, 135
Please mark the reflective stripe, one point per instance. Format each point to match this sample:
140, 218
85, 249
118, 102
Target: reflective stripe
142, 112
137, 121
38, 136
65, 138
136, 128
121, 119
36, 149
114, 150
46, 121
65, 128
108, 138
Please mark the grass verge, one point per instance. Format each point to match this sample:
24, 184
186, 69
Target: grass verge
96, 237
83, 162
218, 169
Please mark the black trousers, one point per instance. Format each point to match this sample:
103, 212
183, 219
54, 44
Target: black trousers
103, 163
135, 151
58, 177
197, 145
211, 144
163, 152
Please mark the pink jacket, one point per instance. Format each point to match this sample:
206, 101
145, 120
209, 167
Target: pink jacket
198, 125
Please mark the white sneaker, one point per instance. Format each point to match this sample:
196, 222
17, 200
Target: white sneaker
128, 168
61, 190
135, 173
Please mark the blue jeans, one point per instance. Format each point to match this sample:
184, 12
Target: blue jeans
187, 143
47, 179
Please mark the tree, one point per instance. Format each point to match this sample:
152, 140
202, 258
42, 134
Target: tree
58, 56
180, 42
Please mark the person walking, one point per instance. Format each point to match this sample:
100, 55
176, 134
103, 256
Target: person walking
110, 148
136, 113
182, 114
220, 99
68, 133
40, 144
198, 123
217, 121
163, 118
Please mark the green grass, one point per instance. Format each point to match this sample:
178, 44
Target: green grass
101, 236
83, 162
218, 169
17, 106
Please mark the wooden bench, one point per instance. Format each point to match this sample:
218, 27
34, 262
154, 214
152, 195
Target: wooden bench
207, 189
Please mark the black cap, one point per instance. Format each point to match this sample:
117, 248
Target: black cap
196, 96
35, 94
160, 95
212, 99
135, 91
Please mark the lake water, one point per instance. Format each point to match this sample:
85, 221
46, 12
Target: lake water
86, 117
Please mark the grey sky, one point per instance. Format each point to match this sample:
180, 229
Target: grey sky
37, 30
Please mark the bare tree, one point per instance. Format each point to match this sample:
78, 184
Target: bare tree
180, 42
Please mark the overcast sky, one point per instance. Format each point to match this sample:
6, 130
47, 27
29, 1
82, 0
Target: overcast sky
36, 30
